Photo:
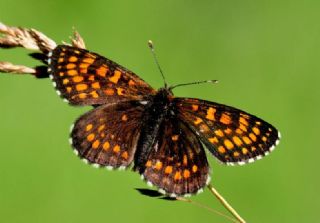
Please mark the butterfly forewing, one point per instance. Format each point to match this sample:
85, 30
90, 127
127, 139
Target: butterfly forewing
108, 135
177, 163
231, 135
86, 78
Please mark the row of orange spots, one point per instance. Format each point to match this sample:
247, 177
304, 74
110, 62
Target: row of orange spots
210, 113
116, 76
225, 119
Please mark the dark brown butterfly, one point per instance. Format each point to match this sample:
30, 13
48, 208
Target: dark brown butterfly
161, 135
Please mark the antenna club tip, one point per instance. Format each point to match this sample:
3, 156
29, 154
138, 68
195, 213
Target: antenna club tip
150, 44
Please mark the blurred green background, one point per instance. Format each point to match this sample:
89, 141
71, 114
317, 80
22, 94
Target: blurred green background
265, 55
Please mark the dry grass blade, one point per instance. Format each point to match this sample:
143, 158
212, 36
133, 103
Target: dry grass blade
18, 69
77, 40
27, 38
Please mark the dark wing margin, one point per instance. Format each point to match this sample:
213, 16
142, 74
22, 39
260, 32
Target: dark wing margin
85, 78
177, 164
231, 135
107, 135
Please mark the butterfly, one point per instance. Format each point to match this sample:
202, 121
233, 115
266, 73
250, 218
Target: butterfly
160, 135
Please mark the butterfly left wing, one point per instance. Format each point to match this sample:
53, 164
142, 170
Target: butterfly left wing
86, 78
108, 135
177, 164
231, 135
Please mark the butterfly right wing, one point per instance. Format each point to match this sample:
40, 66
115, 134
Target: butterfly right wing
85, 78
107, 135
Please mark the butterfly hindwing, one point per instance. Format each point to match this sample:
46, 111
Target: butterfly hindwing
108, 134
231, 135
86, 78
177, 163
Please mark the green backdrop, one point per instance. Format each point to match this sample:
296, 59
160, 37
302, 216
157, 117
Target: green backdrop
265, 55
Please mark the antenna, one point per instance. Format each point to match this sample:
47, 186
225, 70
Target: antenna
193, 83
150, 44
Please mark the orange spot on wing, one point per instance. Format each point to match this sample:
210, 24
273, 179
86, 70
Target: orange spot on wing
88, 60
245, 151
125, 155
106, 146
228, 144
109, 91
124, 117
194, 168
84, 65
82, 95
148, 163
185, 160
116, 149
158, 165
65, 81
96, 85
60, 60
90, 137
197, 121
91, 78
89, 127
228, 131
221, 149
71, 65
73, 59
243, 121
236, 154
253, 137
77, 79
72, 72
225, 119
186, 174
120, 91
81, 87
69, 89
219, 133
94, 94
246, 140
116, 76
102, 71
175, 137
168, 170
195, 107
101, 127
95, 144
264, 138
177, 175
237, 140
131, 83
210, 113
256, 130
213, 140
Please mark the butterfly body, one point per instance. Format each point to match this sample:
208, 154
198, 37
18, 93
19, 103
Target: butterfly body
162, 136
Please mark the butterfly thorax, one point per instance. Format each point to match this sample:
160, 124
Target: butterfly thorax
158, 109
